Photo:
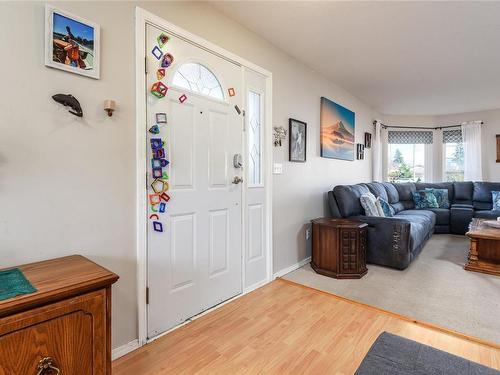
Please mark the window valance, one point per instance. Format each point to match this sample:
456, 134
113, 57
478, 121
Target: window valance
410, 137
452, 136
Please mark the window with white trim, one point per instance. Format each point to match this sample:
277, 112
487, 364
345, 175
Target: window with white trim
406, 155
199, 79
453, 155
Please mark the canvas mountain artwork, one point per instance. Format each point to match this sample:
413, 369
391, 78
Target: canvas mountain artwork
337, 131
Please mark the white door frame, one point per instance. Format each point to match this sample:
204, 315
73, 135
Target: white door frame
143, 17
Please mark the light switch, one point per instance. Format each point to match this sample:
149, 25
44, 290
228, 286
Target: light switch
278, 168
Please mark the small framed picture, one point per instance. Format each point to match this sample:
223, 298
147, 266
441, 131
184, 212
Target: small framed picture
368, 140
71, 43
360, 148
297, 140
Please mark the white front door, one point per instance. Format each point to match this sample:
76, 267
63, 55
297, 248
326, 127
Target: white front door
196, 261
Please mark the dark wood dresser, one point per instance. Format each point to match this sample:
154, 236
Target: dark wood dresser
65, 327
339, 248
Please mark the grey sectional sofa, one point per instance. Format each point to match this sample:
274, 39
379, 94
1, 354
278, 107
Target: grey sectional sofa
396, 241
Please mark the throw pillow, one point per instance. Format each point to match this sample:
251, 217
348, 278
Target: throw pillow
496, 200
368, 203
441, 197
386, 207
380, 210
424, 199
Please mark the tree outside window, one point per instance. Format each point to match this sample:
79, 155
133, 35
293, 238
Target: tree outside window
406, 162
454, 161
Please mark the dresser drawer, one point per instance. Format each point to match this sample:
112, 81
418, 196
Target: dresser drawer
71, 332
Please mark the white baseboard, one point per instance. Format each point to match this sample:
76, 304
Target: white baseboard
255, 286
124, 349
293, 267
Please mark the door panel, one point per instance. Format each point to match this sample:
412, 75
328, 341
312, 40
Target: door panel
182, 139
218, 153
256, 238
183, 251
196, 262
219, 242
256, 200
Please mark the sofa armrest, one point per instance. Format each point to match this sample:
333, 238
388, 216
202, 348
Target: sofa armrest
388, 241
460, 217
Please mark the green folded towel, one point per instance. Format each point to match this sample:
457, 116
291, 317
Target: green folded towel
14, 283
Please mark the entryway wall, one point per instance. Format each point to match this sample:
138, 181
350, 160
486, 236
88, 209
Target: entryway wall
67, 185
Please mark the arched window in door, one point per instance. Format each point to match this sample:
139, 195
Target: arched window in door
199, 79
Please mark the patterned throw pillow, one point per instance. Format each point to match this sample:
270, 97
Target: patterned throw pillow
386, 207
368, 203
496, 200
380, 210
441, 197
424, 199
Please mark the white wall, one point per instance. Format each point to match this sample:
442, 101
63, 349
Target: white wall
491, 127
67, 185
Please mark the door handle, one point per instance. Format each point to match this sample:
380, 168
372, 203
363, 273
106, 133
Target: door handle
237, 180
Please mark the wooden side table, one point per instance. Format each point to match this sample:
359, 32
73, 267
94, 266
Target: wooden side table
339, 248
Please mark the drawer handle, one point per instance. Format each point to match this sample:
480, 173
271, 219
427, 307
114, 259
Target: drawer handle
46, 364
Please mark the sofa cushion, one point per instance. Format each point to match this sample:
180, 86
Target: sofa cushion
441, 197
392, 193
442, 215
487, 214
482, 196
425, 199
441, 185
378, 190
421, 225
405, 192
398, 207
347, 197
425, 217
463, 192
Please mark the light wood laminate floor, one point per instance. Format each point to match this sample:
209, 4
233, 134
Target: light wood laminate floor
286, 328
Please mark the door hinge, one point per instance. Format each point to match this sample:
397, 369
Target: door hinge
147, 295
145, 65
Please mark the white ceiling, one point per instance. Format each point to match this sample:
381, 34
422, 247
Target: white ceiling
404, 58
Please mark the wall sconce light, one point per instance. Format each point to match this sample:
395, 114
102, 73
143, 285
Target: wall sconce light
109, 106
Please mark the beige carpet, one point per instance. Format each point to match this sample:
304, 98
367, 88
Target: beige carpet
434, 289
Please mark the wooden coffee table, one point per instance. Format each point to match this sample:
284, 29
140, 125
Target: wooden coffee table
484, 253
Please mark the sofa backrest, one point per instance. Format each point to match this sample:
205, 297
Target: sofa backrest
347, 197
463, 192
405, 192
441, 185
377, 189
344, 199
482, 197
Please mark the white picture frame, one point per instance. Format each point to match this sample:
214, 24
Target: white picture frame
84, 57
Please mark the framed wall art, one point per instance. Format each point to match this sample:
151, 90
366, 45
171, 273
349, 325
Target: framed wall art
297, 140
337, 126
71, 43
368, 140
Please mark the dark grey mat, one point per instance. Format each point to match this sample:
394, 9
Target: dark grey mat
395, 355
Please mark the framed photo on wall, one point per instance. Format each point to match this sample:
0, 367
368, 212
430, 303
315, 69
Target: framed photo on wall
71, 43
297, 140
368, 140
